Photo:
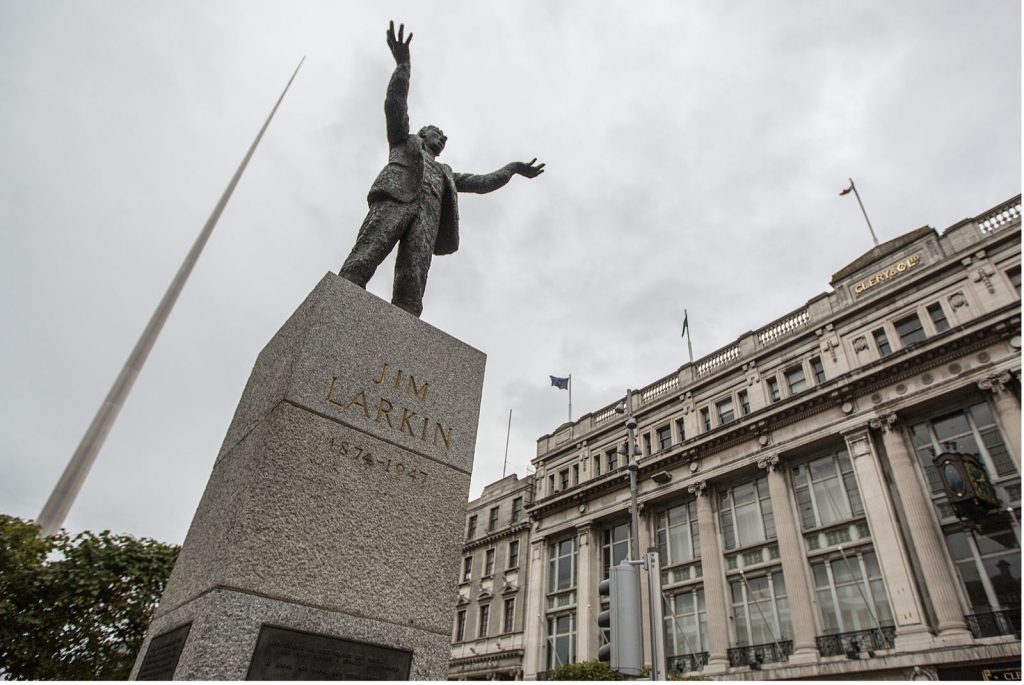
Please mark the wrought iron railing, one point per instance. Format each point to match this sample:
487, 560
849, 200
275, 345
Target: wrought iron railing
755, 655
993, 623
857, 641
684, 663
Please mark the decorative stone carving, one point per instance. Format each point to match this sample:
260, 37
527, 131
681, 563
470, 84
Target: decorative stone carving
886, 422
860, 344
957, 300
768, 462
995, 384
984, 275
697, 488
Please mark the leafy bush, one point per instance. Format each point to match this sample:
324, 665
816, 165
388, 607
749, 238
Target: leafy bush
76, 608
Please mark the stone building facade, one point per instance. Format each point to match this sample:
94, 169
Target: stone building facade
488, 640
787, 483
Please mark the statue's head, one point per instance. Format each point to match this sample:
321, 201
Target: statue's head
433, 138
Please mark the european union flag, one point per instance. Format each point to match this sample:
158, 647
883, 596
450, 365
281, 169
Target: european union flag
560, 383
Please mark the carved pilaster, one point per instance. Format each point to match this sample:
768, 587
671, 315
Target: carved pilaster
925, 537
1007, 409
714, 580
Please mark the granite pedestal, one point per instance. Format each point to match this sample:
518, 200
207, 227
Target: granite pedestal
327, 542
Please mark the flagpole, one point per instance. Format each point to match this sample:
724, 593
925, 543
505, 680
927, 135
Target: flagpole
63, 496
508, 432
570, 397
864, 212
689, 344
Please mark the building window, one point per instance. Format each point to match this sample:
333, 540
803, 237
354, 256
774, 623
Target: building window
575, 474
818, 370
613, 459
760, 609
561, 642
744, 402
851, 594
909, 330
686, 623
826, 490
795, 379
597, 465
647, 444
563, 479
485, 618
989, 569
471, 528
615, 547
492, 518
551, 484
664, 437
513, 554
517, 508
467, 569
705, 419
1014, 275
773, 389
725, 411
460, 626
510, 615
884, 349
681, 429
938, 317
489, 563
972, 430
562, 565
678, 535
746, 514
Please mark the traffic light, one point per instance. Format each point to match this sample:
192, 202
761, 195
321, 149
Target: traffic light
625, 647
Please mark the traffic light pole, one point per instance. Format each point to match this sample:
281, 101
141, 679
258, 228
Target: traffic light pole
650, 561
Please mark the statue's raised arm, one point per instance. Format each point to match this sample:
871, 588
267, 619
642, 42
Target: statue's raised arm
414, 201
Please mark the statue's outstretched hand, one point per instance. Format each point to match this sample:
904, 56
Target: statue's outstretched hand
399, 49
529, 169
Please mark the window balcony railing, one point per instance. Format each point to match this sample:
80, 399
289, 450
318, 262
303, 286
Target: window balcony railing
994, 623
857, 641
685, 663
755, 655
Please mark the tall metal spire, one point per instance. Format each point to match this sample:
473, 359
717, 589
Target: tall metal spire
63, 496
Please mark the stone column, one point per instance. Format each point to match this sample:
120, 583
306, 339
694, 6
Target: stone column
1007, 410
794, 566
926, 538
911, 631
714, 581
534, 629
588, 601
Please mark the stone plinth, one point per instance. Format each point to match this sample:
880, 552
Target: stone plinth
337, 502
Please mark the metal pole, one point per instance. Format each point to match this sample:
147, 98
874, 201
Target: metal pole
508, 432
634, 548
570, 397
864, 212
657, 612
63, 496
689, 344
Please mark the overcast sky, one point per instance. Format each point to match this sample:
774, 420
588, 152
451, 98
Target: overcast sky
695, 152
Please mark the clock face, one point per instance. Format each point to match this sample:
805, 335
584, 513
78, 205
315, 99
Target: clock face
954, 480
980, 480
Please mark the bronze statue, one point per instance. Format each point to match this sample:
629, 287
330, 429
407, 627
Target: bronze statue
413, 202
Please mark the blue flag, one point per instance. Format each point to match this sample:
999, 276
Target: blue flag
560, 383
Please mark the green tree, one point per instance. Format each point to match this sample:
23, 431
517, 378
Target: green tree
76, 608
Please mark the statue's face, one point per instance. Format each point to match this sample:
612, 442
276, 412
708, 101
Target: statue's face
433, 138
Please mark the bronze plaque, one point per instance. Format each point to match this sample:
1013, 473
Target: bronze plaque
286, 654
162, 656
